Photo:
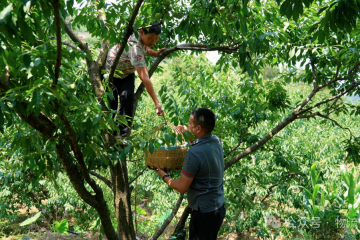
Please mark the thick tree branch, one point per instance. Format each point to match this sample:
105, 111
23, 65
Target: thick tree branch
181, 224
103, 53
129, 31
73, 46
96, 201
262, 141
58, 41
78, 154
168, 220
102, 178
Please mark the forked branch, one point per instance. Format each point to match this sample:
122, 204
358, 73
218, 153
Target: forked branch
129, 31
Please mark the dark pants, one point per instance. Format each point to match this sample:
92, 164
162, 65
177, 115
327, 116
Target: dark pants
123, 87
205, 226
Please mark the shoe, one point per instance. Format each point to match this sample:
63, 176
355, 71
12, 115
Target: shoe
117, 138
121, 141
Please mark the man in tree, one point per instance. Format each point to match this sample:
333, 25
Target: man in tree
202, 177
124, 76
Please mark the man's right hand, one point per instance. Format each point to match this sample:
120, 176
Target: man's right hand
159, 110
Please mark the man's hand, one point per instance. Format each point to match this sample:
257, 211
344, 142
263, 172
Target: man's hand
159, 51
182, 128
159, 171
159, 110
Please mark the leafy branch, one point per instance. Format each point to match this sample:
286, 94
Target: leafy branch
129, 31
58, 41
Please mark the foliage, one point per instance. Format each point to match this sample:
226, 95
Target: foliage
61, 227
57, 125
31, 219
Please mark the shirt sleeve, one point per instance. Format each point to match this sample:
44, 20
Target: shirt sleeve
191, 165
137, 55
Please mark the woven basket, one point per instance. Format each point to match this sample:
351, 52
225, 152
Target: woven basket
166, 159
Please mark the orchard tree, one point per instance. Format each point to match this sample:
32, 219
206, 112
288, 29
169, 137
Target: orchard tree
63, 124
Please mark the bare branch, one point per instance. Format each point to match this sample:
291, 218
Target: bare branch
73, 46
240, 140
138, 175
58, 41
330, 99
128, 33
102, 178
292, 117
334, 121
149, 26
269, 192
168, 220
352, 71
73, 37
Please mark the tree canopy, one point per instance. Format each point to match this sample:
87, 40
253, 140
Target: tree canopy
55, 116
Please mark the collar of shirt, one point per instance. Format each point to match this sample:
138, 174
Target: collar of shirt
202, 139
138, 41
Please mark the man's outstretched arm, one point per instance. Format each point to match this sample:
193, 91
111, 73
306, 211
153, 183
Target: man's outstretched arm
181, 185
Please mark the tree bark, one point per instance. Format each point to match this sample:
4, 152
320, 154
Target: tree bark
181, 224
122, 197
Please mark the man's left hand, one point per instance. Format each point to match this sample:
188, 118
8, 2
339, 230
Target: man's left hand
159, 171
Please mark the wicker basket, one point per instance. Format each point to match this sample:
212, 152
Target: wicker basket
166, 159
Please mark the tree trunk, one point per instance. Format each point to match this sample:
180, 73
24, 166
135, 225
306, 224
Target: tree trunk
122, 197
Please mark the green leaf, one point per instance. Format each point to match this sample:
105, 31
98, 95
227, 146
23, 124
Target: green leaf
140, 210
292, 52
27, 6
31, 219
313, 175
69, 5
4, 13
97, 118
351, 190
296, 12
27, 60
151, 147
36, 98
321, 36
322, 201
283, 7
315, 192
62, 227
289, 11
123, 156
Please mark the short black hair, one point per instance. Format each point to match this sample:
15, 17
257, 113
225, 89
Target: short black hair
153, 29
205, 118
